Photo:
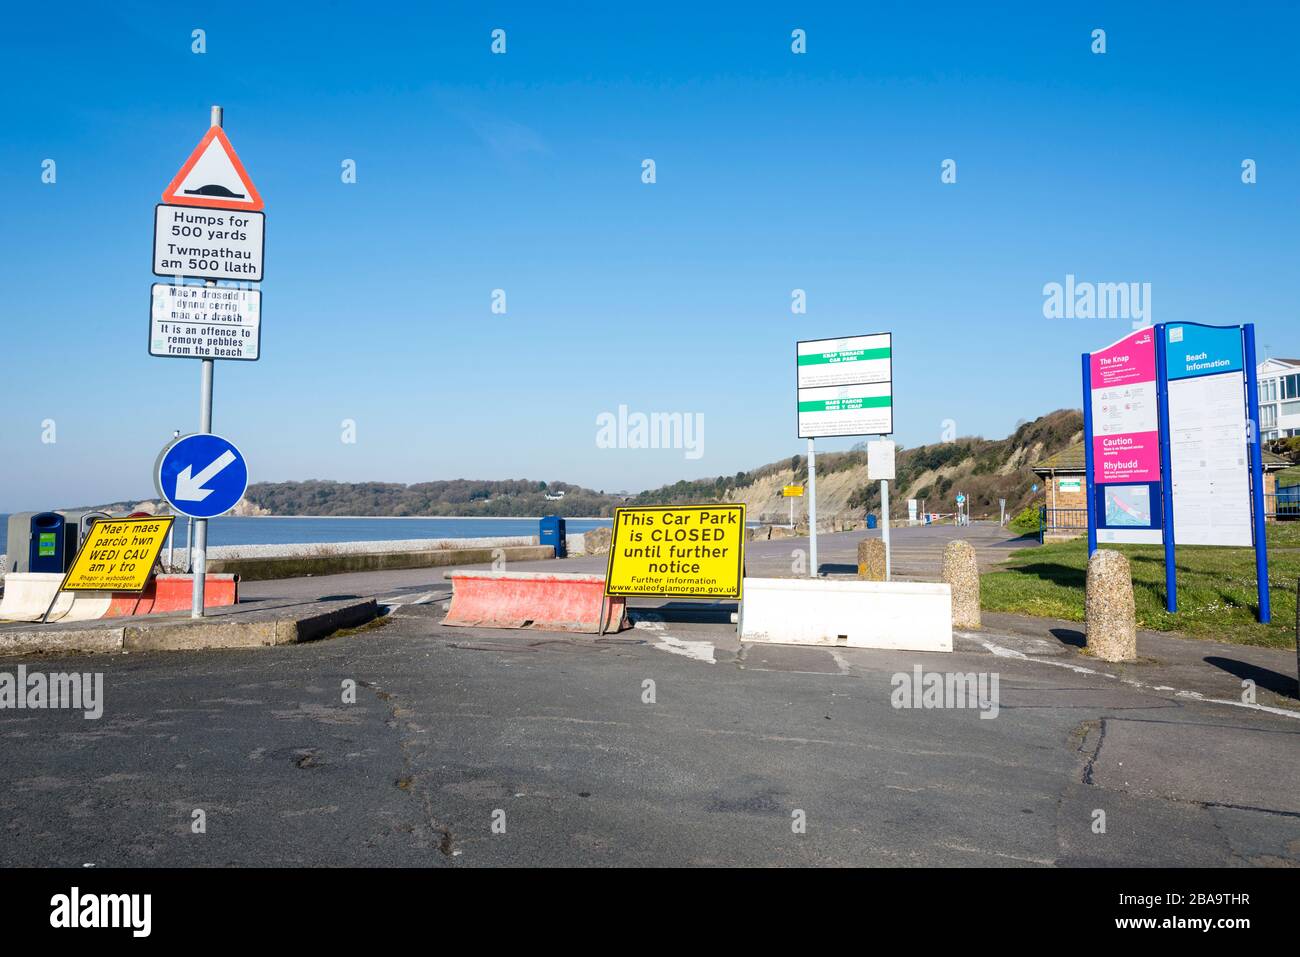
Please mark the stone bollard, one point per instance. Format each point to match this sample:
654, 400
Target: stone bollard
596, 541
962, 573
1109, 612
871, 560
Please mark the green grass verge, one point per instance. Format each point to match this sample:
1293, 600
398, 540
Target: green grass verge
1216, 587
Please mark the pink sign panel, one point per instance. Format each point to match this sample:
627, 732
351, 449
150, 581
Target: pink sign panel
1125, 422
1132, 359
1128, 458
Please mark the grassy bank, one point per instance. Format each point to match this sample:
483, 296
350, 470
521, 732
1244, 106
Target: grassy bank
1216, 587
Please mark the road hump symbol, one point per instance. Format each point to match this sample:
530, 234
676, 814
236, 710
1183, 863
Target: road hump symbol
214, 177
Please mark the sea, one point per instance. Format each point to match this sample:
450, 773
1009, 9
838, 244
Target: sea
275, 530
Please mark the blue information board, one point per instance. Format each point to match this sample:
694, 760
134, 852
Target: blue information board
1223, 359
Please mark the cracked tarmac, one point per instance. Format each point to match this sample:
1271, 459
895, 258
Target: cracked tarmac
669, 744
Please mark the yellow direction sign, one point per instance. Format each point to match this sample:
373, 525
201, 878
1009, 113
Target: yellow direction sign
687, 551
792, 491
118, 555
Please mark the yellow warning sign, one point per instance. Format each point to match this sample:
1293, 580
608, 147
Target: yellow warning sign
687, 551
118, 555
792, 491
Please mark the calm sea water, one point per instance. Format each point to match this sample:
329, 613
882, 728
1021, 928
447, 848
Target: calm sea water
283, 531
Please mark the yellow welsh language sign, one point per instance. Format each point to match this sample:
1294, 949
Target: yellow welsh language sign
118, 555
792, 491
688, 551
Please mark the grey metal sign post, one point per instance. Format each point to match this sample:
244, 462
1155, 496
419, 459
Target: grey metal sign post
213, 190
205, 425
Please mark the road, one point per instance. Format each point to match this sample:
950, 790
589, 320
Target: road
558, 742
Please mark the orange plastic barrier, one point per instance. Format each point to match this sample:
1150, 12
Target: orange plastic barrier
541, 600
175, 593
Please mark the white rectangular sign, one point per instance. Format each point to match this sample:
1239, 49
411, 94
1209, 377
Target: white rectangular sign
205, 322
845, 410
880, 460
844, 386
847, 361
1209, 461
199, 243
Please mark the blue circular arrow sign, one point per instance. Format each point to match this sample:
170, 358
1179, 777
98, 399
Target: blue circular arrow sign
201, 475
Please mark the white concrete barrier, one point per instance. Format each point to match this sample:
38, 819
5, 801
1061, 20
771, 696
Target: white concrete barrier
907, 616
28, 594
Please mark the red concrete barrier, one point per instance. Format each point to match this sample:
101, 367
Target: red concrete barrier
542, 600
175, 593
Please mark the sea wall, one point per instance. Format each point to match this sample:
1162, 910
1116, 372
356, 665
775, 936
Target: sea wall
264, 568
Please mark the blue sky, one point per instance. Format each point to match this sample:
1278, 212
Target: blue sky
523, 172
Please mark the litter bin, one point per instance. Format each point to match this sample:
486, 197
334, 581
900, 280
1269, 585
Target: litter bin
53, 543
871, 520
87, 519
19, 534
553, 534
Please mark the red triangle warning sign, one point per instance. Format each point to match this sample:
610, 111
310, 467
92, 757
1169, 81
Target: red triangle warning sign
214, 177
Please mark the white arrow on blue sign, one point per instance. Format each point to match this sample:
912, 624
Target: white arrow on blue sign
201, 475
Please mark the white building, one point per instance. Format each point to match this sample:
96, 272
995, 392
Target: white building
1279, 398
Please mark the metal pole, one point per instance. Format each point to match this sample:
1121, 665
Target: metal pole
1166, 473
1257, 477
205, 425
171, 532
884, 521
1088, 489
812, 510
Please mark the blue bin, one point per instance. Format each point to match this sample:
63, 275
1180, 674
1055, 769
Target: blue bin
871, 520
53, 543
552, 533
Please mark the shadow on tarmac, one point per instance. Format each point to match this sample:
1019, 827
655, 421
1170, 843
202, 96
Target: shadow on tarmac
686, 612
1070, 636
1273, 681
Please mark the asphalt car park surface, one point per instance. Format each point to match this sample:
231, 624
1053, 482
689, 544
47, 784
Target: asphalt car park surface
666, 744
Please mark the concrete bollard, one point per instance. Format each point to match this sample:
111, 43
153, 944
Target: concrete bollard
871, 560
1109, 611
962, 573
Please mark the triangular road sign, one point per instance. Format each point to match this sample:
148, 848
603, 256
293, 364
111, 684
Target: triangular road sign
213, 176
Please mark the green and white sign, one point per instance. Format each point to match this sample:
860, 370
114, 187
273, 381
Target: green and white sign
845, 386
1069, 484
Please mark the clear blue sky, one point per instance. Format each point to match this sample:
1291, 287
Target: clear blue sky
523, 172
